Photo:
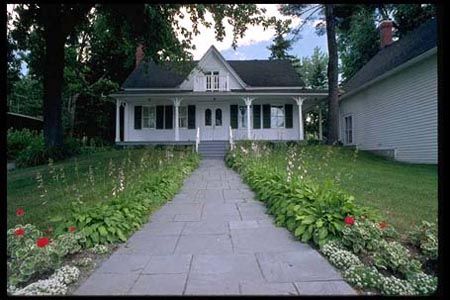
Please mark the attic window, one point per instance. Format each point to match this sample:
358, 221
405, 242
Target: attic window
212, 81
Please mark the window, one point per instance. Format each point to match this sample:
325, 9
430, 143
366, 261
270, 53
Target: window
208, 117
212, 81
348, 130
277, 116
148, 117
218, 117
182, 117
243, 116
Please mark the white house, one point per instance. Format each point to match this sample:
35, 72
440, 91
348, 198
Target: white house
216, 101
390, 105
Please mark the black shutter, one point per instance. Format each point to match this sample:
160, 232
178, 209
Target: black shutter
266, 116
256, 116
137, 117
159, 117
169, 117
234, 116
288, 115
191, 116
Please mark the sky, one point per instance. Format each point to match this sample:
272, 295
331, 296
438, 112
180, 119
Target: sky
255, 42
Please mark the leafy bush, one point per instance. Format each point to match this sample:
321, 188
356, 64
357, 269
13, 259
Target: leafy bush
339, 257
423, 284
363, 236
395, 257
424, 237
363, 276
115, 220
18, 140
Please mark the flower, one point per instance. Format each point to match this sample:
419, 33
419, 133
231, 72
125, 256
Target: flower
349, 220
19, 231
383, 224
42, 242
20, 212
72, 228
48, 230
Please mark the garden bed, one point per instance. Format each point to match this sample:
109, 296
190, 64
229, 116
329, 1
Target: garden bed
101, 202
316, 208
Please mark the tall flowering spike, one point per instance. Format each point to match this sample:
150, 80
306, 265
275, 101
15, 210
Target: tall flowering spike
349, 220
42, 242
20, 212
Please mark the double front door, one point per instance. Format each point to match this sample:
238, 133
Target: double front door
214, 123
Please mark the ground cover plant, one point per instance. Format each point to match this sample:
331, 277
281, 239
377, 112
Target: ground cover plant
83, 203
304, 187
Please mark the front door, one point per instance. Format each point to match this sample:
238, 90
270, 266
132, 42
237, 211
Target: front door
213, 125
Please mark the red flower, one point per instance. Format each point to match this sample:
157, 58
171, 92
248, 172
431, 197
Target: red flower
349, 220
383, 224
72, 228
20, 212
42, 242
19, 231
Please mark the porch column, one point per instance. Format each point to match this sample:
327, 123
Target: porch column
248, 101
125, 121
299, 101
117, 120
176, 103
320, 123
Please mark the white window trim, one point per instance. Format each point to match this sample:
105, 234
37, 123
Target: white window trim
142, 116
240, 122
284, 116
212, 80
345, 129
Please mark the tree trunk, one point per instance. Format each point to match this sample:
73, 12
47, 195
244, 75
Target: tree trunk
53, 75
333, 111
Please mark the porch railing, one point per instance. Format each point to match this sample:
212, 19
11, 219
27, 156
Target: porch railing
231, 138
197, 139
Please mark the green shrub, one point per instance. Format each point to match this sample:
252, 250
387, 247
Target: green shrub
18, 140
340, 257
425, 238
395, 257
423, 284
362, 236
363, 276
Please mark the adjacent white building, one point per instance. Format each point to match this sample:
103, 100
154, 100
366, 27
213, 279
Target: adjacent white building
390, 105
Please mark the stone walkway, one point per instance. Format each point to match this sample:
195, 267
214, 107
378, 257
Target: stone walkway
214, 238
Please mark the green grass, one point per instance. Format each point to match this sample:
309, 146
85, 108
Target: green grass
23, 191
405, 194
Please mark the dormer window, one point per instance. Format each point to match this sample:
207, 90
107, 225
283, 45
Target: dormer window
212, 81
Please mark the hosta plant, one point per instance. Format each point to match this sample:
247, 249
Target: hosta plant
424, 284
424, 236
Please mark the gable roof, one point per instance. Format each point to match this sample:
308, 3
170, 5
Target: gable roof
411, 45
253, 73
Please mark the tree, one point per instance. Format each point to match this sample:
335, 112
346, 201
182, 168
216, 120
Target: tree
280, 45
53, 25
314, 70
408, 17
13, 62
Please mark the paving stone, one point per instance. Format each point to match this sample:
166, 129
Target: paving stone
267, 288
243, 224
181, 208
206, 227
159, 284
124, 263
232, 194
151, 245
301, 265
210, 285
338, 287
220, 208
233, 267
187, 217
264, 239
204, 244
162, 228
107, 284
168, 264
210, 195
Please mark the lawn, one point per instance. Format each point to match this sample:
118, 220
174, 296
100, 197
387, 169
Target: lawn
403, 193
90, 178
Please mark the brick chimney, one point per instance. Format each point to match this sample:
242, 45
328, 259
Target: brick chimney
139, 54
385, 33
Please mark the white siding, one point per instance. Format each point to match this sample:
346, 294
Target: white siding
211, 63
398, 112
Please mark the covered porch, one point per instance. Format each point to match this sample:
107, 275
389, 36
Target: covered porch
191, 117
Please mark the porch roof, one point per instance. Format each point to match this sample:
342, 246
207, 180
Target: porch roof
259, 91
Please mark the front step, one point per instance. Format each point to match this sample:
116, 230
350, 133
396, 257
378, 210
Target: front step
216, 149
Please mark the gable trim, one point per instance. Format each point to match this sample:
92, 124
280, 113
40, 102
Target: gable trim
397, 69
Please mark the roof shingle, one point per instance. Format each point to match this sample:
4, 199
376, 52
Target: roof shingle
411, 45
